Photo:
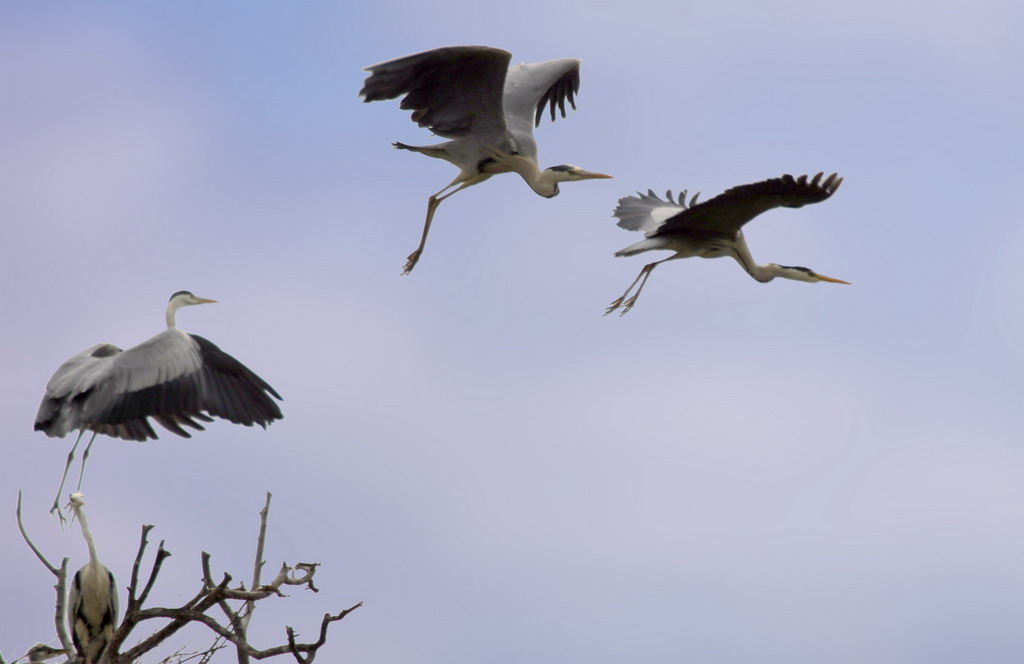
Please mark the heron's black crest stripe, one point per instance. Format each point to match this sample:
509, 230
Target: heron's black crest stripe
181, 292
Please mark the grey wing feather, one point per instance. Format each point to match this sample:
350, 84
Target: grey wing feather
172, 378
232, 391
58, 411
731, 210
530, 88
455, 91
112, 392
647, 212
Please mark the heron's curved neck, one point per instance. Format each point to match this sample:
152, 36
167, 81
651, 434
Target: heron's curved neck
767, 272
172, 309
762, 273
87, 534
544, 182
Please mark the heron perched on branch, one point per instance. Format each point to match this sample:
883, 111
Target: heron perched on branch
92, 600
178, 379
712, 228
471, 95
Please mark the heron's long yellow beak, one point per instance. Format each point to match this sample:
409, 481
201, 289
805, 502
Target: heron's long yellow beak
834, 281
203, 300
590, 175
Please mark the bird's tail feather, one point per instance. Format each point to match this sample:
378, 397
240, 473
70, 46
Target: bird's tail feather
641, 246
647, 212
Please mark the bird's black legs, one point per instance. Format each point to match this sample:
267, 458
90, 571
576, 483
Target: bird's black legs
626, 303
432, 204
67, 467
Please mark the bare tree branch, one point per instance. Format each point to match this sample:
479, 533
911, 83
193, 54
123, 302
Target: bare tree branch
261, 542
311, 648
60, 587
161, 555
132, 587
28, 540
180, 616
229, 613
241, 625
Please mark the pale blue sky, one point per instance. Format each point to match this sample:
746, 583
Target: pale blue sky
733, 472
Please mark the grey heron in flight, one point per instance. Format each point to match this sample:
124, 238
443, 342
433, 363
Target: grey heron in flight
470, 95
712, 228
92, 601
178, 379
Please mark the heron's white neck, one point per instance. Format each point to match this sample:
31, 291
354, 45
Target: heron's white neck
762, 273
172, 309
86, 533
545, 182
767, 272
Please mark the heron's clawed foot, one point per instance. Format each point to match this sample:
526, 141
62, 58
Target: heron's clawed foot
614, 305
623, 303
411, 261
56, 509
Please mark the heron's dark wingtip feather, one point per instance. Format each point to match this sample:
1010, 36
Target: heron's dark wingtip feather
565, 88
235, 392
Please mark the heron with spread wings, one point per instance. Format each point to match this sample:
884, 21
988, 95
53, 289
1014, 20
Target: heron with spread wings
176, 378
470, 95
712, 228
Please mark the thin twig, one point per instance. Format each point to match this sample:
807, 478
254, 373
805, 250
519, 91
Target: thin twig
28, 540
161, 555
229, 613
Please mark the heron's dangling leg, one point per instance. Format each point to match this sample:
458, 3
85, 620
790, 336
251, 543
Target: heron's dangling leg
414, 257
85, 457
432, 203
64, 477
626, 303
618, 303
